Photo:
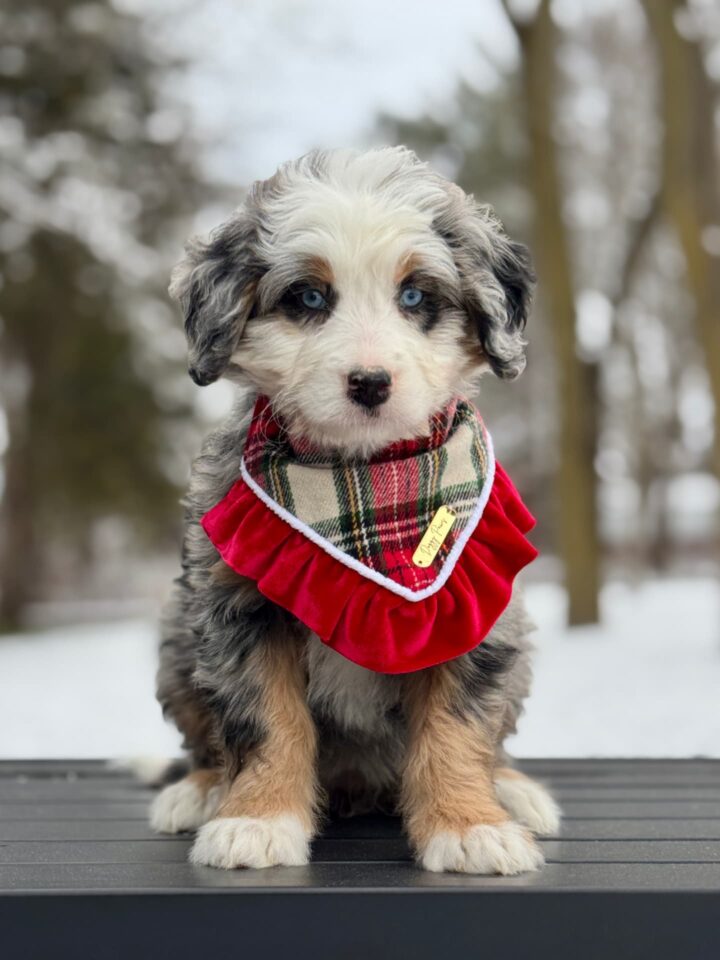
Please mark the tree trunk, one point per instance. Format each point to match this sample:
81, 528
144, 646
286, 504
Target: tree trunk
690, 188
577, 408
18, 545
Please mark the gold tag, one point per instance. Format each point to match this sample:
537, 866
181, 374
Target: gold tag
434, 537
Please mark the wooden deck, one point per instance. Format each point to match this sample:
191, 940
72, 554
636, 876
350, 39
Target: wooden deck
636, 874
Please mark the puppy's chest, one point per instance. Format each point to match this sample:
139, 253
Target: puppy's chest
354, 699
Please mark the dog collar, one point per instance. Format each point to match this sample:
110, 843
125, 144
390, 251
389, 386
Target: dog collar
398, 562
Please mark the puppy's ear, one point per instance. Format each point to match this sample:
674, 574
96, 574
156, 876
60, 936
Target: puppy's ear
497, 282
215, 286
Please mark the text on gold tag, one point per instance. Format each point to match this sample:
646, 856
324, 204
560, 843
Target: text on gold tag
434, 537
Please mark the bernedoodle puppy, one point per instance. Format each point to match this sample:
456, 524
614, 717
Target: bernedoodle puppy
345, 634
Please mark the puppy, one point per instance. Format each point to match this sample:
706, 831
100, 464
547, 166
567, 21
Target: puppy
359, 293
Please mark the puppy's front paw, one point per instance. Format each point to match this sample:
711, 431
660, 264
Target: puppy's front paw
506, 848
183, 806
529, 803
230, 842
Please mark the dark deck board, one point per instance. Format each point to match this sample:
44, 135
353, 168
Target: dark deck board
30, 852
635, 873
96, 878
557, 769
67, 792
573, 810
596, 829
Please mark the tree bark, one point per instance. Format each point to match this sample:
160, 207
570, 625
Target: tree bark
18, 553
579, 539
690, 190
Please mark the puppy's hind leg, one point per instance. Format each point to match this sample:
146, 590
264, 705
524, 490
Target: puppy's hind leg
528, 802
189, 803
192, 800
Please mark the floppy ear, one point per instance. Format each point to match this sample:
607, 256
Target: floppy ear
215, 286
497, 281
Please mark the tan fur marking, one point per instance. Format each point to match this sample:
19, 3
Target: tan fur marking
197, 726
279, 776
407, 264
205, 779
319, 269
448, 777
508, 773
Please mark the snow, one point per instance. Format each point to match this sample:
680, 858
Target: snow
644, 683
83, 691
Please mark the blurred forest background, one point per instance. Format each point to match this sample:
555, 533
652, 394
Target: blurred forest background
592, 127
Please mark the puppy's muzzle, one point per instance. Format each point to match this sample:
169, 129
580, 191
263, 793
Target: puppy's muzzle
369, 387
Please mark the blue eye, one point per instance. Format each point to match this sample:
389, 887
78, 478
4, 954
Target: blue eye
313, 299
411, 297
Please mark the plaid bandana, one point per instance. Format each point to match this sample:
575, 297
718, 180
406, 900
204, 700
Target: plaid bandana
373, 514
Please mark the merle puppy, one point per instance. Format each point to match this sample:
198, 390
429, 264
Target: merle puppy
343, 261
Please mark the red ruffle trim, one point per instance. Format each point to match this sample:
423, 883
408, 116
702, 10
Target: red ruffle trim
365, 622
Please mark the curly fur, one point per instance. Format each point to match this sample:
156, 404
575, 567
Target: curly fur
357, 226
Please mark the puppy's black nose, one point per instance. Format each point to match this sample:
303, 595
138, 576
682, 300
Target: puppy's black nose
369, 387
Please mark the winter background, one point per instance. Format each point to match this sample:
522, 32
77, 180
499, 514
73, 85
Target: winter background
592, 127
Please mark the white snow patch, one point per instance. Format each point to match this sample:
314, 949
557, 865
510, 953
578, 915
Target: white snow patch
83, 691
644, 683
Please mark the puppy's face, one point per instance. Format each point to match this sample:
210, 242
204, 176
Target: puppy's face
359, 334
360, 292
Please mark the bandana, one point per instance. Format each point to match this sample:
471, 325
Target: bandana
371, 515
398, 562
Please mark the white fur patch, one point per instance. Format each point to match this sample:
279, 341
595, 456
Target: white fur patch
530, 804
231, 842
183, 806
506, 849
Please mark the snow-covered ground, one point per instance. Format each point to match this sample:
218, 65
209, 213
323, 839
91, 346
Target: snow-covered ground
645, 683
